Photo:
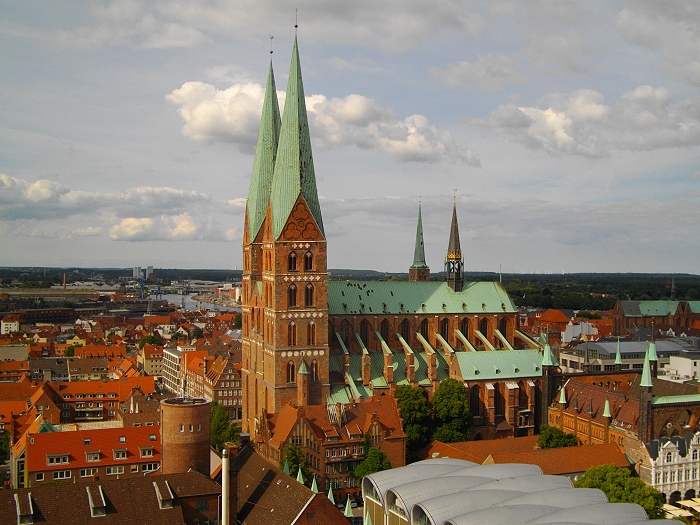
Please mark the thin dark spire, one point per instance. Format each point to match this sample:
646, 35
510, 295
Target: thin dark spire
454, 262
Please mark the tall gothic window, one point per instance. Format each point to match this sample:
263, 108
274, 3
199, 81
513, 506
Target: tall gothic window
345, 331
384, 329
364, 331
464, 327
405, 329
314, 370
292, 262
484, 327
475, 401
424, 328
309, 295
292, 296
311, 334
445, 329
292, 334
291, 372
308, 262
503, 326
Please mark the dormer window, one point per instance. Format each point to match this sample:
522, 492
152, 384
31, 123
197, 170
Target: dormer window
120, 453
92, 456
146, 452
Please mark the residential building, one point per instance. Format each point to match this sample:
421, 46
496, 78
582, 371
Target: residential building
672, 466
174, 364
88, 369
333, 439
10, 323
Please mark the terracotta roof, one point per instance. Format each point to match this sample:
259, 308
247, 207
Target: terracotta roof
122, 387
584, 398
566, 460
128, 501
552, 316
17, 391
477, 451
103, 440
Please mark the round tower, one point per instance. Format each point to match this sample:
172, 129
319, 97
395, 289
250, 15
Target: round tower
184, 428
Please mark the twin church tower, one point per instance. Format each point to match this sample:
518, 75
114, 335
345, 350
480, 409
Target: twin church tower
286, 323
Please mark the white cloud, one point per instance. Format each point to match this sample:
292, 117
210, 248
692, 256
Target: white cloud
581, 123
491, 72
90, 231
233, 115
672, 29
133, 23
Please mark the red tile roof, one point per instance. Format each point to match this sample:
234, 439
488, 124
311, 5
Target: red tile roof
477, 451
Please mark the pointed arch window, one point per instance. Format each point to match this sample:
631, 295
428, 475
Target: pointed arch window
309, 295
292, 334
384, 329
364, 331
464, 327
314, 370
308, 262
292, 262
503, 326
311, 334
291, 372
475, 401
405, 329
292, 296
445, 329
484, 327
345, 331
424, 328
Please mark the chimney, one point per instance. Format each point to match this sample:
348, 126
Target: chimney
225, 487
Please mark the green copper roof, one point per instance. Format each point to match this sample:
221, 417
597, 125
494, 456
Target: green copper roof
294, 166
403, 297
419, 252
503, 365
670, 400
548, 358
264, 162
648, 308
645, 381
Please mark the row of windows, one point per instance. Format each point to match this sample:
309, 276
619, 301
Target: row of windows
292, 334
670, 477
292, 293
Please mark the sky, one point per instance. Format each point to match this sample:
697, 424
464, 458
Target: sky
566, 132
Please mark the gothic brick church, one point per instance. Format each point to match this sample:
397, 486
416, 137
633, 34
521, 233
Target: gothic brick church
309, 340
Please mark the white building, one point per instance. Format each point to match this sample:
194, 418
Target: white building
673, 466
172, 364
683, 367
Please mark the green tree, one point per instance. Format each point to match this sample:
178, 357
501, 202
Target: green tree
620, 486
294, 457
415, 412
375, 461
5, 444
150, 340
221, 429
197, 333
552, 437
451, 415
238, 320
70, 351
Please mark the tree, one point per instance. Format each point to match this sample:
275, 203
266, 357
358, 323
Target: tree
70, 351
415, 412
552, 437
221, 429
197, 333
620, 486
375, 461
451, 415
294, 457
5, 444
238, 320
150, 340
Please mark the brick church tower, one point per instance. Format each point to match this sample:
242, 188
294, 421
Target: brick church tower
285, 275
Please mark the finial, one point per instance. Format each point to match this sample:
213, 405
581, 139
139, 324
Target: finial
454, 198
296, 18
271, 37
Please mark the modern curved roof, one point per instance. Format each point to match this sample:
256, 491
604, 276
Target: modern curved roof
456, 492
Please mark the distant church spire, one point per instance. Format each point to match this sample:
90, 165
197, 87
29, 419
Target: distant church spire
419, 271
294, 168
454, 262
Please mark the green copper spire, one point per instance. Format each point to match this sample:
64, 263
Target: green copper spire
264, 162
330, 495
562, 396
348, 508
300, 476
314, 485
286, 467
646, 372
548, 358
294, 166
368, 519
652, 351
303, 369
419, 252
606, 410
618, 356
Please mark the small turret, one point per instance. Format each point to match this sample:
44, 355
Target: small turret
618, 357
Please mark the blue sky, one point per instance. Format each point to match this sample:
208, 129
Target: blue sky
570, 130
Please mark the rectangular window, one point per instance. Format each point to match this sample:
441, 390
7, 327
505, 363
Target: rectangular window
39, 476
57, 460
111, 471
146, 452
93, 456
134, 469
87, 472
150, 467
61, 474
120, 454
